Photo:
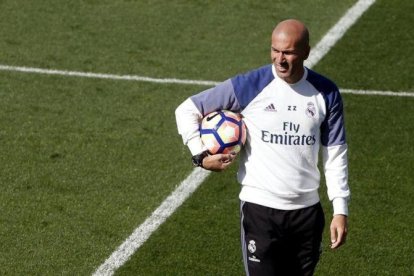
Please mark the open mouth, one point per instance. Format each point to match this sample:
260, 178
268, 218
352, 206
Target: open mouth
282, 67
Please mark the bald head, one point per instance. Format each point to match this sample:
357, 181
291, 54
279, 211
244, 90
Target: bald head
290, 48
295, 30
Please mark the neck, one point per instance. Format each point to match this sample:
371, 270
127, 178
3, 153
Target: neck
297, 76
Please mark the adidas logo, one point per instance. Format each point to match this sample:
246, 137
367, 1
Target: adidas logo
271, 107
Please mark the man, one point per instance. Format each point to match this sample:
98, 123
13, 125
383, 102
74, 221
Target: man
290, 112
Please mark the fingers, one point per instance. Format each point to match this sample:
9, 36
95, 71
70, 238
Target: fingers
336, 238
228, 158
218, 162
338, 231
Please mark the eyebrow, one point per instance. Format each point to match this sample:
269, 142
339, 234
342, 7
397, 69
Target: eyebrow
286, 51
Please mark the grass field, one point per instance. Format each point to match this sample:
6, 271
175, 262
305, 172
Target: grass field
85, 161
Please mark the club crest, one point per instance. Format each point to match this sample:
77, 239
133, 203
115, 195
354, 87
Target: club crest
310, 110
252, 246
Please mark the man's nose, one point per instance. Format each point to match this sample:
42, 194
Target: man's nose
280, 57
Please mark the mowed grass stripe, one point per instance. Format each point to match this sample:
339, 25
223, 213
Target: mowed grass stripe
132, 243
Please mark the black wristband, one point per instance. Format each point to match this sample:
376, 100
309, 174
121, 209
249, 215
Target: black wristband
198, 159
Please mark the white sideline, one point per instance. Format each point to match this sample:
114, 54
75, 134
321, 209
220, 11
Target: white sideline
174, 80
144, 231
379, 93
141, 234
337, 32
100, 75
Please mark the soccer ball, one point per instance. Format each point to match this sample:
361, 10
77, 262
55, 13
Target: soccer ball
223, 132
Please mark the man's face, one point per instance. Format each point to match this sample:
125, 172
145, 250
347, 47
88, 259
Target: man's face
288, 55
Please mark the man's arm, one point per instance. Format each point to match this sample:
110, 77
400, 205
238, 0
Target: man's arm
335, 163
190, 113
188, 119
339, 230
218, 162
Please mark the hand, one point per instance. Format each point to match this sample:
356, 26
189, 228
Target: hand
218, 162
339, 230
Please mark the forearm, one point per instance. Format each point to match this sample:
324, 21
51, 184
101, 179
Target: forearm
188, 118
190, 113
335, 163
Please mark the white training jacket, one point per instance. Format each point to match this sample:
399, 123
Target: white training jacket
286, 124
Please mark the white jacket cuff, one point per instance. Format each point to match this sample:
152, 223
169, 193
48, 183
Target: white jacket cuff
340, 206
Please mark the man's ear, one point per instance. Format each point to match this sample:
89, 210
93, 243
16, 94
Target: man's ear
307, 52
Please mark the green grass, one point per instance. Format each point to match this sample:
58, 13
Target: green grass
375, 54
80, 168
85, 161
379, 240
184, 39
202, 238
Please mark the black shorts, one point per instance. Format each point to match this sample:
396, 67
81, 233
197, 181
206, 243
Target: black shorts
279, 242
